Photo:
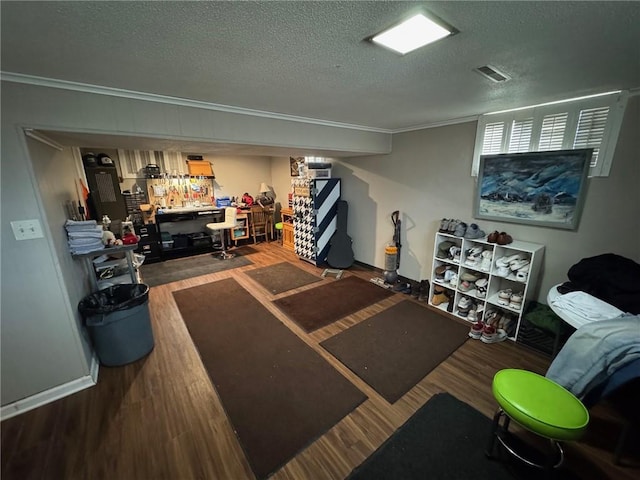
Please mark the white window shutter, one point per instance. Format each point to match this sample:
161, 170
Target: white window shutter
590, 131
578, 123
492, 140
128, 164
552, 132
520, 137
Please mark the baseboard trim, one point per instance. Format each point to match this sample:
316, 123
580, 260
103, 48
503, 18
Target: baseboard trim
53, 394
380, 271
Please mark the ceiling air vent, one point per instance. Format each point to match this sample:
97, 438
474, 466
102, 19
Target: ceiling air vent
492, 74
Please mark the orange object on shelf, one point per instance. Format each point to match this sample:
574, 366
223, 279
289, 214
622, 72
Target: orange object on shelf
200, 168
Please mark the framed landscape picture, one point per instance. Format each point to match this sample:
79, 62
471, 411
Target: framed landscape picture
534, 188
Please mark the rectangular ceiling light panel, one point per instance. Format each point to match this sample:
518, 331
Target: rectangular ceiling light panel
411, 34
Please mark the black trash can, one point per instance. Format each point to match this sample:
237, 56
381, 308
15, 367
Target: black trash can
119, 323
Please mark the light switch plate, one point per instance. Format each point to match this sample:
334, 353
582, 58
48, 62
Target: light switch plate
27, 229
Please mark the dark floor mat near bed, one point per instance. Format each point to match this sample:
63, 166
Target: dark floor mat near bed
320, 306
445, 440
155, 274
395, 349
281, 277
280, 394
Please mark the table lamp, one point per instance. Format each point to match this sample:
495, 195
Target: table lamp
264, 198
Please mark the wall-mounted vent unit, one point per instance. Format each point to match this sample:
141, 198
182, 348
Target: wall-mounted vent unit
492, 74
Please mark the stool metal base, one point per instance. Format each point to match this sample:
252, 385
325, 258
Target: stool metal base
501, 434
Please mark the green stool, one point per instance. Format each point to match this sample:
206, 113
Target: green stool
279, 231
539, 405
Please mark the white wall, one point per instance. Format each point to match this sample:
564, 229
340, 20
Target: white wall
427, 177
42, 345
39, 322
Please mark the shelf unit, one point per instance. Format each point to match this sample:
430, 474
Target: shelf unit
93, 269
462, 267
241, 232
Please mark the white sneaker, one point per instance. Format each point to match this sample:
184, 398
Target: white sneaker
493, 335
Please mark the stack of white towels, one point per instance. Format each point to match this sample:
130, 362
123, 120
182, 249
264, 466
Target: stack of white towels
84, 236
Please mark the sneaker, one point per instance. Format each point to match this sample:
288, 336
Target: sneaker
439, 272
464, 305
504, 296
515, 301
469, 277
460, 230
448, 275
444, 225
502, 272
474, 251
507, 261
471, 261
473, 231
476, 330
454, 253
518, 264
481, 288
443, 249
522, 274
491, 334
485, 263
504, 323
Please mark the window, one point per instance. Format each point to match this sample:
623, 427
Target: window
133, 162
582, 123
492, 141
520, 136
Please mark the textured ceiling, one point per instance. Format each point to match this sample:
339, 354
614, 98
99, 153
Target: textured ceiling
310, 59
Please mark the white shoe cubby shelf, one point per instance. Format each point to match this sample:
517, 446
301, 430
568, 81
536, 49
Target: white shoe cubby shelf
460, 265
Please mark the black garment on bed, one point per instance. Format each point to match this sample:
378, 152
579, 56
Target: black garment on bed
609, 277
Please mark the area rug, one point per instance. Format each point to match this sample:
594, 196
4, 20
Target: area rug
281, 277
445, 440
155, 274
245, 250
320, 306
395, 349
280, 395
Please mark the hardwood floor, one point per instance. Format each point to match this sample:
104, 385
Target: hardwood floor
161, 418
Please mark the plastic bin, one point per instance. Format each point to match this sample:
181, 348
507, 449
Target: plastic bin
119, 323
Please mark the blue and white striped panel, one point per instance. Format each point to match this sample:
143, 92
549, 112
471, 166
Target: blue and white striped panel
327, 194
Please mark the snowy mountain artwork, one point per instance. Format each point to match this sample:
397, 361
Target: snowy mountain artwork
536, 188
